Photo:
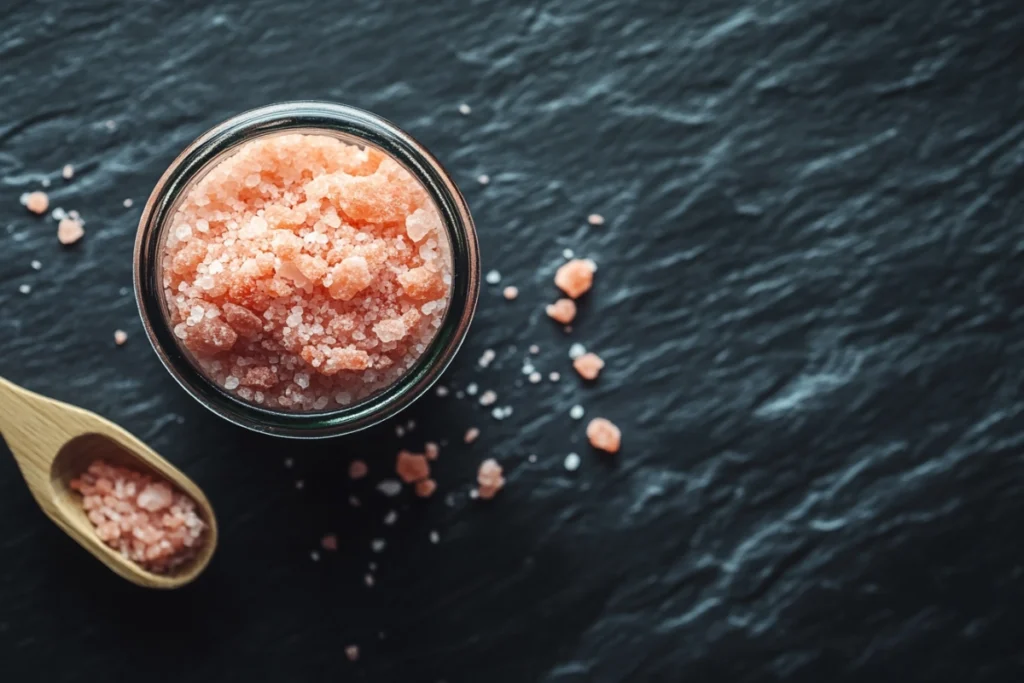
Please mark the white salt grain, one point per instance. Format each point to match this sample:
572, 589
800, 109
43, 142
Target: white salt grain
315, 556
554, 376
576, 350
464, 109
435, 537
25, 289
483, 179
568, 253
572, 462
441, 391
391, 517
488, 398
378, 545
127, 203
534, 349
493, 277
576, 412
289, 462
390, 487
471, 388
36, 265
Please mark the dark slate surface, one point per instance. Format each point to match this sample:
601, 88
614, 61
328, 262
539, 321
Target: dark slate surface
809, 299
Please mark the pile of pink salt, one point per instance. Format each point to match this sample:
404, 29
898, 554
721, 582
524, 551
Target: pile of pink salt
143, 518
304, 273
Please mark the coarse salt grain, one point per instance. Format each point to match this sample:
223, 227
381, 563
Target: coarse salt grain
25, 289
595, 219
441, 391
577, 350
412, 467
37, 202
390, 518
67, 172
572, 462
489, 479
604, 435
390, 487
534, 377
464, 109
510, 293
357, 469
127, 203
576, 412
488, 398
377, 545
562, 311
431, 450
589, 365
554, 376
435, 537
568, 253
534, 349
36, 265
120, 337
483, 179
69, 231
486, 358
472, 388
352, 652
316, 267
575, 277
426, 488
141, 517
493, 277
314, 555
329, 542
471, 435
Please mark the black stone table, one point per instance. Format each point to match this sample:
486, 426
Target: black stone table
809, 300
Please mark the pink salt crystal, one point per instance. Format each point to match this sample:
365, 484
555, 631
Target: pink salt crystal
352, 651
431, 450
37, 202
589, 365
357, 469
154, 497
67, 172
471, 435
412, 467
575, 277
120, 337
490, 479
327, 262
562, 311
69, 231
329, 542
603, 435
425, 488
595, 219
510, 292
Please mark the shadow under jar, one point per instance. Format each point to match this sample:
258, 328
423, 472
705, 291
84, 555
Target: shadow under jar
306, 269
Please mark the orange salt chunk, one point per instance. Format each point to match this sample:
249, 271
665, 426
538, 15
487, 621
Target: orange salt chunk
562, 311
313, 267
349, 277
431, 450
357, 469
603, 435
209, 336
421, 223
420, 284
589, 365
425, 488
575, 277
37, 202
286, 244
242, 320
69, 231
412, 467
390, 330
190, 256
348, 358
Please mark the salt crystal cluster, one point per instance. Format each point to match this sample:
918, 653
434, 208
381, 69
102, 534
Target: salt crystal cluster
143, 518
304, 273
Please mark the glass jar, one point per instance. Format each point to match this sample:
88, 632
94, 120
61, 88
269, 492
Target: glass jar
352, 126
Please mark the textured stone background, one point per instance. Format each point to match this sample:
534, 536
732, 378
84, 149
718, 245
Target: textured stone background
809, 299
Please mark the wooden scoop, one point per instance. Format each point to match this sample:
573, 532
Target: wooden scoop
54, 442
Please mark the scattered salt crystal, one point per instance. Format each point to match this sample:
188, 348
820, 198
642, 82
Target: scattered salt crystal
483, 179
314, 555
486, 358
411, 467
498, 413
562, 311
471, 388
352, 652
25, 289
464, 109
357, 469
368, 580
488, 397
554, 376
67, 172
535, 377
568, 253
378, 545
577, 350
589, 365
37, 202
595, 219
575, 277
391, 517
576, 412
511, 293
426, 488
435, 537
110, 124
604, 435
120, 337
528, 368
69, 231
353, 501
532, 457
399, 431
390, 487
471, 435
572, 462
329, 542
431, 450
127, 203
36, 265
493, 277
441, 390
289, 463
534, 349
410, 425
299, 484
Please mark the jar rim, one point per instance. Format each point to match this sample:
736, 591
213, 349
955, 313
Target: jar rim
300, 116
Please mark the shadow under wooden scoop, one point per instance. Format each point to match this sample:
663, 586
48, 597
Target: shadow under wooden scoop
54, 442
